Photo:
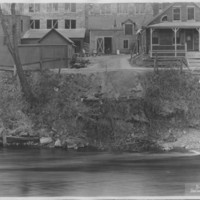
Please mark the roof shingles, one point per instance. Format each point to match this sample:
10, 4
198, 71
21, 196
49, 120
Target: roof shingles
67, 33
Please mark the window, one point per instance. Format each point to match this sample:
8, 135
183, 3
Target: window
155, 38
70, 24
34, 7
164, 18
105, 9
35, 24
128, 29
37, 7
52, 23
140, 8
22, 26
31, 7
21, 7
176, 13
125, 44
122, 8
70, 7
52, 7
190, 13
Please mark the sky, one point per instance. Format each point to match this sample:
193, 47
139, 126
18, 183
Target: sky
93, 1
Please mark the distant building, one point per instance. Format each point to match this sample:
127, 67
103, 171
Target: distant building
22, 26
104, 28
113, 26
68, 18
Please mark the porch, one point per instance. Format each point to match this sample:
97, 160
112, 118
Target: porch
169, 39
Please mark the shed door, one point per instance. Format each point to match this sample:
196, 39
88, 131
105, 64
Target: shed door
100, 45
190, 40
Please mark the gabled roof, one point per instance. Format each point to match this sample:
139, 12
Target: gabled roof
168, 7
159, 14
69, 33
54, 30
128, 20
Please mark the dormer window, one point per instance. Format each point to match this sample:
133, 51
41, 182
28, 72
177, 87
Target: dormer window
128, 29
164, 18
105, 9
190, 11
176, 13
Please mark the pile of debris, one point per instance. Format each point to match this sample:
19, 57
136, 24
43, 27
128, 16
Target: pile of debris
79, 62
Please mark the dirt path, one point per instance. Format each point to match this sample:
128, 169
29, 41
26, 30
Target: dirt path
107, 63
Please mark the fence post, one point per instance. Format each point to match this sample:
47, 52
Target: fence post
66, 56
155, 63
59, 68
41, 57
181, 64
4, 138
185, 49
14, 71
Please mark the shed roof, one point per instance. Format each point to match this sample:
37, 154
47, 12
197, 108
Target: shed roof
54, 30
67, 33
176, 25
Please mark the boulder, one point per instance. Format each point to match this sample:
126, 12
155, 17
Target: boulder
24, 134
58, 143
45, 140
44, 132
71, 143
74, 143
141, 117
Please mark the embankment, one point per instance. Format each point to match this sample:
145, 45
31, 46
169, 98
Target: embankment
118, 110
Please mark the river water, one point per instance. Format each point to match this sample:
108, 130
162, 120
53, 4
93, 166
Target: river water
54, 172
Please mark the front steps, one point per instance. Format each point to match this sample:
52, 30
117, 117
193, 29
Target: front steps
193, 59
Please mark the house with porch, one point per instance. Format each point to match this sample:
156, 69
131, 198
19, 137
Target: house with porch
174, 32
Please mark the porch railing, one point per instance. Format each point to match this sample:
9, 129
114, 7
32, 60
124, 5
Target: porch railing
169, 51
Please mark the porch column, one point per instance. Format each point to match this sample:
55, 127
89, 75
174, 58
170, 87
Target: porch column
151, 35
198, 29
175, 42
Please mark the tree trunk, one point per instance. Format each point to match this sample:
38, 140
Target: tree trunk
13, 49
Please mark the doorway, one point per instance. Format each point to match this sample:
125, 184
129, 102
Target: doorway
189, 37
108, 45
100, 45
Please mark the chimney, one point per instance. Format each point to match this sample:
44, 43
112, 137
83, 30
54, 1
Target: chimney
155, 8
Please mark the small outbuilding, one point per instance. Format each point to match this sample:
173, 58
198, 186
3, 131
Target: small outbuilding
77, 36
53, 37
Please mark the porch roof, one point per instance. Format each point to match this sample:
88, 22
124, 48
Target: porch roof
165, 25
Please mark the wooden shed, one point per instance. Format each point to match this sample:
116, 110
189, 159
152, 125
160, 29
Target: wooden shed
53, 37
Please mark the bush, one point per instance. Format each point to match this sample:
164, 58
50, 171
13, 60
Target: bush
13, 107
177, 94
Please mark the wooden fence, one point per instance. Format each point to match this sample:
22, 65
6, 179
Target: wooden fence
40, 57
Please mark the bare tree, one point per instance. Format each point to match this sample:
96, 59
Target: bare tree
12, 44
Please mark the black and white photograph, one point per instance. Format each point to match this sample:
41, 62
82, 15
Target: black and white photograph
99, 99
